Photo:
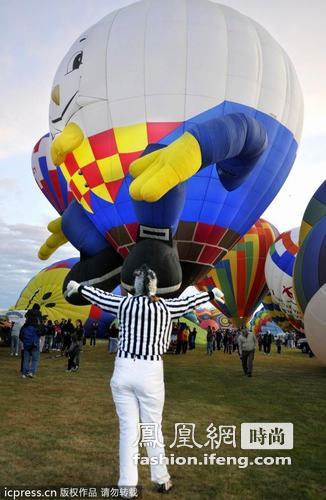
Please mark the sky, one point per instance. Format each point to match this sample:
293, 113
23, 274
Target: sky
34, 37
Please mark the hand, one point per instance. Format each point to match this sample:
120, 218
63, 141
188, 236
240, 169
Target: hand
72, 288
70, 139
158, 172
218, 295
54, 241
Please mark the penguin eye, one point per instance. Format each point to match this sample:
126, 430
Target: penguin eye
75, 61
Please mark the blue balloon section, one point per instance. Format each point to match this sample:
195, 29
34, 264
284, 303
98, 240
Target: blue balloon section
207, 201
310, 265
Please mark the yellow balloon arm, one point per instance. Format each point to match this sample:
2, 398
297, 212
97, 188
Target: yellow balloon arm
157, 173
70, 139
54, 241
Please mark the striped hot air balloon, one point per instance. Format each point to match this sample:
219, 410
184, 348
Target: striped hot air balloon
277, 315
310, 272
240, 274
279, 276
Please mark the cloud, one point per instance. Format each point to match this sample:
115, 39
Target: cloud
19, 244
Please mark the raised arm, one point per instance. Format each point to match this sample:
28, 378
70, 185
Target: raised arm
105, 300
179, 307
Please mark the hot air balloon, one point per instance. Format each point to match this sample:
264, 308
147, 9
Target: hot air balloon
316, 210
310, 272
240, 274
48, 177
223, 321
315, 324
46, 289
191, 84
277, 315
279, 276
205, 323
260, 318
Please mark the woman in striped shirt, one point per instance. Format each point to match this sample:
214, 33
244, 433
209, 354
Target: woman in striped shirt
145, 323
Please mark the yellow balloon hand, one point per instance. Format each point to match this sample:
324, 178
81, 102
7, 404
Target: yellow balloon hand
158, 172
70, 138
54, 241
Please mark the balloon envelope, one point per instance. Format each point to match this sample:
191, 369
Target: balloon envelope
240, 274
310, 264
46, 289
147, 73
316, 209
48, 177
277, 315
279, 276
315, 324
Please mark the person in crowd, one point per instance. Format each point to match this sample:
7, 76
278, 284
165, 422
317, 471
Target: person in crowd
66, 341
30, 337
93, 333
185, 339
214, 338
14, 338
267, 342
80, 334
138, 382
230, 340
69, 327
247, 346
209, 341
278, 343
33, 316
260, 341
192, 339
218, 339
57, 340
290, 340
179, 338
225, 341
73, 353
49, 336
236, 336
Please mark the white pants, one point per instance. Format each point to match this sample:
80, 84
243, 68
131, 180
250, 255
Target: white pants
138, 393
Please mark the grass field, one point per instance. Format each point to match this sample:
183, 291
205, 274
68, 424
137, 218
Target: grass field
60, 429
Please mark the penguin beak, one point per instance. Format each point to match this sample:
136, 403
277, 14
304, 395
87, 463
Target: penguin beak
55, 95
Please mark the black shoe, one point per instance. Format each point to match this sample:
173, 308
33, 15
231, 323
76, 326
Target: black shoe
165, 487
249, 375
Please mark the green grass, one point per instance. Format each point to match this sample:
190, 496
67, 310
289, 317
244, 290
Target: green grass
61, 429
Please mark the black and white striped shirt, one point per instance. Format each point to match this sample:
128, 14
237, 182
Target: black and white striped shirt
144, 326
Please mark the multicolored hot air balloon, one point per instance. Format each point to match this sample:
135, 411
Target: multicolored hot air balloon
310, 272
223, 321
49, 178
46, 289
278, 316
240, 274
310, 266
260, 318
316, 210
279, 276
216, 102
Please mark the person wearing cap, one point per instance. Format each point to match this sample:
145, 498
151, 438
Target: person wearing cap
137, 384
247, 345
